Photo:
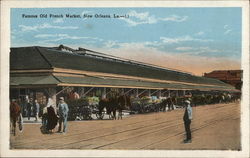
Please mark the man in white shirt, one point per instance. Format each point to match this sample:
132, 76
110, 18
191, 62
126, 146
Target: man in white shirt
63, 115
187, 121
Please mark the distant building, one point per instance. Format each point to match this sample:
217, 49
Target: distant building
232, 77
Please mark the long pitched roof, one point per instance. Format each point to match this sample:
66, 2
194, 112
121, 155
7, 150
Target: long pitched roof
37, 58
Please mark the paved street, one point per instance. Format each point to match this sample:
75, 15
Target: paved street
213, 127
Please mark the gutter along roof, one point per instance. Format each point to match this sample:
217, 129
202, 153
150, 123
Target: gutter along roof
38, 59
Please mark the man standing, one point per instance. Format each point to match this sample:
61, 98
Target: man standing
25, 106
37, 106
63, 114
187, 121
29, 107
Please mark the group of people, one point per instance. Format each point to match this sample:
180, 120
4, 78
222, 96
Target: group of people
30, 109
52, 116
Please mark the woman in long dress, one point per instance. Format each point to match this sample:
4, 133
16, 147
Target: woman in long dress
52, 118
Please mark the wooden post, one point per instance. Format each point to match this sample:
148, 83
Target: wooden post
159, 93
18, 93
81, 91
104, 92
34, 95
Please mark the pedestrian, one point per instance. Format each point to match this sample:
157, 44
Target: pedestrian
29, 108
37, 109
187, 121
25, 107
52, 118
63, 115
44, 120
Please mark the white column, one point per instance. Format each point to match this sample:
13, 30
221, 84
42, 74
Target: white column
82, 91
159, 94
51, 92
104, 92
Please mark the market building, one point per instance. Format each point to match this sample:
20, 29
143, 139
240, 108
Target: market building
42, 72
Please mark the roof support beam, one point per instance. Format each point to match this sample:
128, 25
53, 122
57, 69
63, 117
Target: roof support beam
88, 91
142, 92
129, 91
108, 92
155, 92
61, 90
165, 91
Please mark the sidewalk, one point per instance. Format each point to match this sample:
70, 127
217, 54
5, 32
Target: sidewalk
32, 120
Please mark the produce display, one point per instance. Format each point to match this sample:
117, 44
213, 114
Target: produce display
92, 100
82, 109
146, 104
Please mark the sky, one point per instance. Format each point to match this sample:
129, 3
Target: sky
195, 40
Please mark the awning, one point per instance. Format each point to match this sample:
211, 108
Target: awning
33, 80
91, 81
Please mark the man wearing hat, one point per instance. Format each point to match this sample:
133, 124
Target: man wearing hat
187, 121
63, 114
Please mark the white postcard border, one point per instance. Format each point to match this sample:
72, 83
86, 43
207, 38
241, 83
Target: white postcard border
5, 49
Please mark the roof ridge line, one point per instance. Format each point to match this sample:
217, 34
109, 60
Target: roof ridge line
126, 60
37, 48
